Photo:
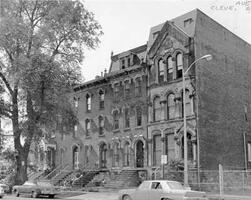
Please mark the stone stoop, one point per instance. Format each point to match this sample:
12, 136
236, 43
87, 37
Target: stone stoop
85, 179
125, 179
59, 178
36, 175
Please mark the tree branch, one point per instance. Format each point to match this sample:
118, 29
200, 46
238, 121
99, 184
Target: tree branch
6, 82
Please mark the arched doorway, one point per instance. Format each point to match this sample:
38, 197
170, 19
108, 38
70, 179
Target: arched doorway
139, 154
190, 155
75, 155
116, 155
102, 155
127, 154
157, 150
61, 156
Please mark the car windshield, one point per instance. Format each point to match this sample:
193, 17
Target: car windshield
175, 185
29, 183
47, 184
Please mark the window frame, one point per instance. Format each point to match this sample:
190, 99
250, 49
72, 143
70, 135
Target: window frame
161, 71
88, 103
138, 86
115, 120
87, 127
138, 111
101, 122
156, 110
169, 68
101, 100
179, 66
127, 117
169, 105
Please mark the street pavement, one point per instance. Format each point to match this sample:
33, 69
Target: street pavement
114, 196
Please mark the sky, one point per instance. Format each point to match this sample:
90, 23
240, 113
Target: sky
126, 24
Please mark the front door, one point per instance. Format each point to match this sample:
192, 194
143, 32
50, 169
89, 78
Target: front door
102, 152
139, 154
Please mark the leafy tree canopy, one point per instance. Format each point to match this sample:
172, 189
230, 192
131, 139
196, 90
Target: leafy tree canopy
41, 46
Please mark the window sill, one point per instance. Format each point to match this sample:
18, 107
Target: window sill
103, 135
116, 131
138, 127
127, 129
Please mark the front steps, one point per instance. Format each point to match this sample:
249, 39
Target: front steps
125, 179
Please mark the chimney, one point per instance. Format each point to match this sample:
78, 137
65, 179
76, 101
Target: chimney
101, 74
105, 72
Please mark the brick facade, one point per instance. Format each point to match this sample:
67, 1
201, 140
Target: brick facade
216, 92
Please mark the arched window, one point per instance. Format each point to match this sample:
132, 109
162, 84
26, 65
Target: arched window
116, 90
161, 68
88, 102
127, 118
169, 68
116, 120
127, 154
101, 125
188, 104
179, 65
156, 109
101, 100
87, 127
190, 155
157, 150
138, 86
127, 89
169, 146
138, 116
170, 106
116, 155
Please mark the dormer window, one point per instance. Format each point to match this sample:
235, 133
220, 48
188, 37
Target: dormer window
187, 22
128, 61
123, 64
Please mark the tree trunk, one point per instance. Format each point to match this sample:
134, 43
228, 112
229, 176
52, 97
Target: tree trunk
21, 172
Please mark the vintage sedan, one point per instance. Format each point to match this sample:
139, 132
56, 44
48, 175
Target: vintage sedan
161, 190
35, 189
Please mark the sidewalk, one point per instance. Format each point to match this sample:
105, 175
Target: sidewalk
96, 196
228, 197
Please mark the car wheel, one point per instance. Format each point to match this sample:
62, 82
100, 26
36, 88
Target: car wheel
126, 197
51, 196
16, 192
34, 194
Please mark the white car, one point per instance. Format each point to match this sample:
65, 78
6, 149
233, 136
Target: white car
161, 190
1, 192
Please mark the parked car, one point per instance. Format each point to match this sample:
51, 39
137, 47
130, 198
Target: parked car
5, 187
161, 190
35, 189
1, 192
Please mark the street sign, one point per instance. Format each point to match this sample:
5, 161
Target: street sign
163, 159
